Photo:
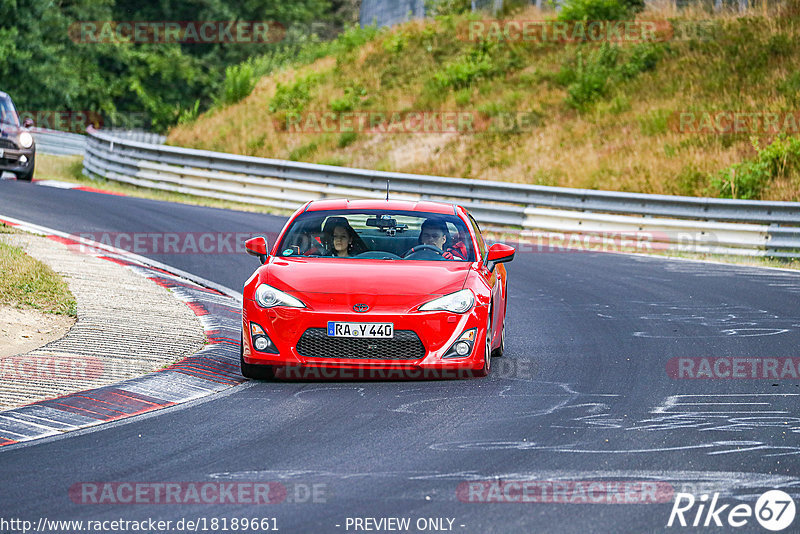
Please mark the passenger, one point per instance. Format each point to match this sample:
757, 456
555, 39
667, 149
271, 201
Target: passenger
340, 238
434, 232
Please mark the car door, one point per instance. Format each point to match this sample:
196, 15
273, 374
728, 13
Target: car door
490, 277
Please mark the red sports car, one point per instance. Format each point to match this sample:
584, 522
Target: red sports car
375, 285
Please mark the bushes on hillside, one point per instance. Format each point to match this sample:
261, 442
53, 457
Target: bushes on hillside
484, 60
239, 82
748, 180
591, 76
293, 97
355, 96
475, 65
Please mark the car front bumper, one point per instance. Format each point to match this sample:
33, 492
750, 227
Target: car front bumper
437, 331
11, 159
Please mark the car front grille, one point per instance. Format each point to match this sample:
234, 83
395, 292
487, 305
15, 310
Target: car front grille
405, 345
7, 143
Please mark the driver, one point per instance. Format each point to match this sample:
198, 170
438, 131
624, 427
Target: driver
434, 232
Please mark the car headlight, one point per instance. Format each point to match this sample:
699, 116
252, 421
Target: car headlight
269, 297
25, 140
458, 302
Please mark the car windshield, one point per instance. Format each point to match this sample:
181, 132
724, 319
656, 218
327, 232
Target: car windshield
8, 115
380, 235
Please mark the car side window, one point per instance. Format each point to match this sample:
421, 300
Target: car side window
478, 236
6, 111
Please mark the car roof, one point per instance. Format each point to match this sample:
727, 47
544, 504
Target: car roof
426, 206
3, 95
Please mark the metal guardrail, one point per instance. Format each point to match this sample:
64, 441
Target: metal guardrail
58, 143
711, 225
138, 135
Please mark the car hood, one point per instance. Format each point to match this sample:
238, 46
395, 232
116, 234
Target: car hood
374, 277
9, 130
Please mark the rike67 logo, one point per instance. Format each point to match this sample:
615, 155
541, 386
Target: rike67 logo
774, 510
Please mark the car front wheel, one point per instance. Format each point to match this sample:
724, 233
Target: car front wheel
25, 176
502, 348
256, 372
487, 350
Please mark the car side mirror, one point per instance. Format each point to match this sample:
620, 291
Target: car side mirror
27, 123
499, 253
257, 246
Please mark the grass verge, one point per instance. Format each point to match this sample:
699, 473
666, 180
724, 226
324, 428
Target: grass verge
27, 283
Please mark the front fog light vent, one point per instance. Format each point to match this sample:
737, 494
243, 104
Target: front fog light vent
463, 345
260, 339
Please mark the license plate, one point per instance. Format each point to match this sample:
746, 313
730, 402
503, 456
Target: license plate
368, 330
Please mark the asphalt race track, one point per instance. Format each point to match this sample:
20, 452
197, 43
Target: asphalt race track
587, 393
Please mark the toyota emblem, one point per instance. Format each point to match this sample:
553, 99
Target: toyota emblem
360, 308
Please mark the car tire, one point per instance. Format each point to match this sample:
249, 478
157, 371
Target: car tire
256, 372
502, 348
25, 176
487, 350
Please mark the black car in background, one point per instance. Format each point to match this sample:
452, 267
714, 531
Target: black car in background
17, 148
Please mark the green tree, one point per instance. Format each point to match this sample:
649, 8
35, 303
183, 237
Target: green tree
46, 68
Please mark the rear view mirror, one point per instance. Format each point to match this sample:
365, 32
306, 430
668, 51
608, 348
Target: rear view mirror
257, 246
383, 222
27, 123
